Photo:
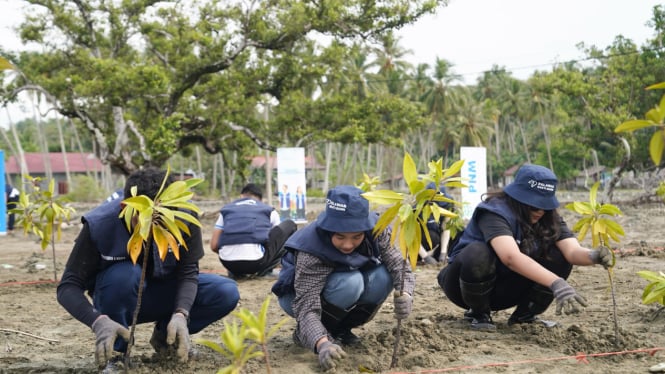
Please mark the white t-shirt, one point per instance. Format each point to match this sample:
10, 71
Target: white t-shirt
247, 251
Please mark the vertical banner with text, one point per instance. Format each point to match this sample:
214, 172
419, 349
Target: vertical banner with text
474, 175
291, 184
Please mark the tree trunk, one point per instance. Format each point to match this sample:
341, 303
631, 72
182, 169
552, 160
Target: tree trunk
63, 150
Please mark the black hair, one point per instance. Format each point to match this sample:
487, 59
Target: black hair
147, 182
540, 236
252, 189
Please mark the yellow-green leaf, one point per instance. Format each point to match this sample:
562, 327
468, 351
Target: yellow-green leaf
633, 125
410, 173
6, 65
656, 146
134, 246
656, 86
383, 197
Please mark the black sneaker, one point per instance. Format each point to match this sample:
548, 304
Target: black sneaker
346, 337
530, 318
479, 320
429, 260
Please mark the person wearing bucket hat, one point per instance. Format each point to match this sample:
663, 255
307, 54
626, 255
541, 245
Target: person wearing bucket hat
517, 251
336, 275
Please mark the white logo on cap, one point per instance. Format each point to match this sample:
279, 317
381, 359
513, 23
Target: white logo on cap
335, 205
549, 187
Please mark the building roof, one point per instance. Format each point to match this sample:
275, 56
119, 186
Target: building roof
36, 163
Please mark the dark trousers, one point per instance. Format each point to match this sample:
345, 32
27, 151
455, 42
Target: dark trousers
116, 295
11, 217
274, 250
477, 262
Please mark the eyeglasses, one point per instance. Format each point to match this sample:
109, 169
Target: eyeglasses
534, 209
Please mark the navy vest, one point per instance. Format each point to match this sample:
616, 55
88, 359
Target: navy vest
317, 243
472, 231
110, 237
245, 221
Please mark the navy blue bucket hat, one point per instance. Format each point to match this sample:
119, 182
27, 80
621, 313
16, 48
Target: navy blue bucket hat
346, 211
535, 186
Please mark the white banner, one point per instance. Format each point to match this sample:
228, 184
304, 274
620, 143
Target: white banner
291, 184
474, 175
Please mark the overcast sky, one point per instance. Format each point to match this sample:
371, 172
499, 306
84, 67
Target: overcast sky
523, 35
520, 35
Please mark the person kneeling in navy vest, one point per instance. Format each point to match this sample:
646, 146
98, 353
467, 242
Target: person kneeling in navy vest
248, 235
517, 251
180, 300
336, 275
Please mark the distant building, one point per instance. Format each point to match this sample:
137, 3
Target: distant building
37, 165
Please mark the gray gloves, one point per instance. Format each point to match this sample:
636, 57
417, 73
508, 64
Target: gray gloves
403, 304
566, 297
177, 330
602, 256
106, 330
328, 353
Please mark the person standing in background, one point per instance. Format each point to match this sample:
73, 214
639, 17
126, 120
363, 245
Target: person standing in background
11, 197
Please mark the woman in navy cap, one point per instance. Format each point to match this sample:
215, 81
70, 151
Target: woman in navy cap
336, 274
517, 251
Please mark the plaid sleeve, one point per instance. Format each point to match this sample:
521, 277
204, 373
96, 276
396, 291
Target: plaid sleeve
310, 278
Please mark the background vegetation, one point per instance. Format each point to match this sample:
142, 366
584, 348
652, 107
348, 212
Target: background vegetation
207, 87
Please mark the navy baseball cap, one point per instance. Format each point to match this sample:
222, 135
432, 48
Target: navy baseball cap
346, 211
534, 185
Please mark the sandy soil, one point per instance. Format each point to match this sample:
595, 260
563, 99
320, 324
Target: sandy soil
38, 336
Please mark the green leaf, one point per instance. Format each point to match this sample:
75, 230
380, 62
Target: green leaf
656, 86
652, 275
610, 210
6, 65
453, 170
410, 173
656, 146
383, 197
633, 125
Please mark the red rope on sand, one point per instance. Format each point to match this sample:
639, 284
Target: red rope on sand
580, 357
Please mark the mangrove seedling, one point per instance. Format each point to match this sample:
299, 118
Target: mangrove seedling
598, 222
162, 221
405, 212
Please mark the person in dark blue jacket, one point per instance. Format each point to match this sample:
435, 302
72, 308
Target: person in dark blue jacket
180, 300
12, 195
248, 235
517, 251
337, 274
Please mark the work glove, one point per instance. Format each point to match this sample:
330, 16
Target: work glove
106, 330
602, 256
403, 304
177, 332
328, 353
566, 297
